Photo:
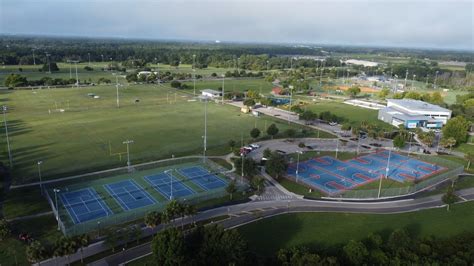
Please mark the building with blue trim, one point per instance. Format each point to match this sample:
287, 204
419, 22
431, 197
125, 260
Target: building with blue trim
414, 113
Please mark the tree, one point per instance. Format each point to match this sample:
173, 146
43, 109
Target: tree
456, 128
254, 133
65, 246
221, 247
308, 116
450, 197
112, 237
35, 252
169, 248
353, 91
4, 229
290, 132
132, 77
249, 102
399, 142
276, 165
15, 80
231, 144
272, 130
173, 210
152, 219
175, 84
54, 67
82, 241
469, 156
257, 183
384, 93
134, 233
448, 143
231, 188
355, 252
250, 166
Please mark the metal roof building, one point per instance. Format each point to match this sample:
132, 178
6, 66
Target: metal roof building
414, 113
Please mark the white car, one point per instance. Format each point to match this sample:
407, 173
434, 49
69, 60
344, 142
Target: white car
255, 146
332, 123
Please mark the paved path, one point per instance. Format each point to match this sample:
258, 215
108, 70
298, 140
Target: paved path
246, 212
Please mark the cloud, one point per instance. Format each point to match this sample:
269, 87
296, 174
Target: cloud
391, 23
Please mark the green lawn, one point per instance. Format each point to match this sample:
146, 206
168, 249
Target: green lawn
326, 229
300, 189
349, 112
258, 85
88, 135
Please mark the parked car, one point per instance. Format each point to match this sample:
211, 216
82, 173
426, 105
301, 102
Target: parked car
255, 146
332, 123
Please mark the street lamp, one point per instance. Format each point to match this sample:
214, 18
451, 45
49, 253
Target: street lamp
298, 164
4, 109
56, 191
39, 163
223, 83
128, 142
117, 87
171, 182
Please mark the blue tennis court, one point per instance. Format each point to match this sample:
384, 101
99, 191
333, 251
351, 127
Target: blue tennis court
129, 194
162, 183
202, 177
84, 205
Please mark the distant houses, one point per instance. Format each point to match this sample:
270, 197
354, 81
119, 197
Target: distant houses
211, 93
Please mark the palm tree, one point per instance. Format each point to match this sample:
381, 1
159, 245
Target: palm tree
65, 246
135, 232
152, 219
35, 252
190, 210
231, 189
258, 183
82, 241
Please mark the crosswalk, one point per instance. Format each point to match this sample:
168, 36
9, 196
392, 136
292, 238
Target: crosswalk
272, 193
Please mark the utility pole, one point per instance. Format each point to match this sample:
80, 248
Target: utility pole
4, 109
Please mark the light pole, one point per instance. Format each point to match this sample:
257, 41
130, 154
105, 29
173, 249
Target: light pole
413, 82
70, 69
223, 91
298, 164
39, 163
34, 59
128, 142
205, 129
436, 79
387, 169
171, 182
194, 74
56, 191
406, 77
117, 88
77, 76
4, 109
89, 55
337, 146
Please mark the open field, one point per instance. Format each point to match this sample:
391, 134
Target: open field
88, 135
323, 230
349, 112
234, 85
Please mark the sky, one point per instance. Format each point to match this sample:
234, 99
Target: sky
445, 24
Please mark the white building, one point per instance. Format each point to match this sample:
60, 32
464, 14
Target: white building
211, 93
414, 113
361, 63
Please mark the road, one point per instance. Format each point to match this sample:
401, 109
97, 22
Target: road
241, 214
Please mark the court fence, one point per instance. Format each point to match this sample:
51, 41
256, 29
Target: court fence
120, 216
454, 169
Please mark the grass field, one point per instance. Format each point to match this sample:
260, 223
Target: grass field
83, 137
349, 112
322, 230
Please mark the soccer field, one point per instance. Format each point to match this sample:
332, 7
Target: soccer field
88, 134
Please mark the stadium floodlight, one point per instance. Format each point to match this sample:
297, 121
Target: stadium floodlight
194, 74
298, 164
117, 87
387, 169
128, 142
39, 163
171, 182
223, 91
4, 110
56, 191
